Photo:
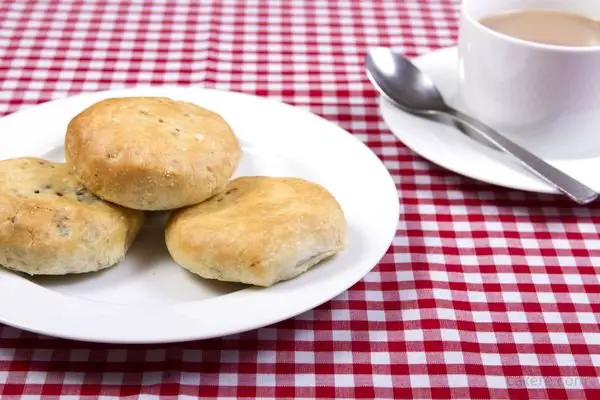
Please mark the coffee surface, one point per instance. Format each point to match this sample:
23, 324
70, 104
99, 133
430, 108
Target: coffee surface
546, 27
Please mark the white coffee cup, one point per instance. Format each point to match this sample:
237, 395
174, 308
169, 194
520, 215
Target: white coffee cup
544, 97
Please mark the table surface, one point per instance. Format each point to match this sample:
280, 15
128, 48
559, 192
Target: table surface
485, 292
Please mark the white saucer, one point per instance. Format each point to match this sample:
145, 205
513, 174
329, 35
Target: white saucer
449, 148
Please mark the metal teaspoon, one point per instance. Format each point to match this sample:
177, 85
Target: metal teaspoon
401, 82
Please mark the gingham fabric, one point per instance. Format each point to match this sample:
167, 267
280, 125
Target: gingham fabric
485, 292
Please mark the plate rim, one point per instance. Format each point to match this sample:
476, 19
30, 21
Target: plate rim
184, 308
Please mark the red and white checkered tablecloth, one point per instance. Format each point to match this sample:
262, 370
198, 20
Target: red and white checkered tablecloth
485, 293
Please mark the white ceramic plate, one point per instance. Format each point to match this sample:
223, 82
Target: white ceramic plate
447, 147
147, 298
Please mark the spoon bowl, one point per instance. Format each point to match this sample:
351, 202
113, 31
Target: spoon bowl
402, 83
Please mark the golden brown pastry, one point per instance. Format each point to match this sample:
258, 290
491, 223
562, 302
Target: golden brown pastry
51, 225
151, 153
259, 231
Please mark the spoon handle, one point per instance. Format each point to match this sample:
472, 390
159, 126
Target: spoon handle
574, 189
